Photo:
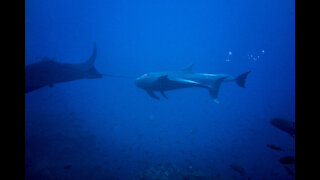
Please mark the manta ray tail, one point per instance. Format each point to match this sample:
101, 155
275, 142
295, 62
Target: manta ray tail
214, 89
241, 79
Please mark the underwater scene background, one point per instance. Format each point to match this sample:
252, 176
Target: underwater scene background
108, 128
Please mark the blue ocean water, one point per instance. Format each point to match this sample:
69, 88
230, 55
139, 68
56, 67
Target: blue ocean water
108, 128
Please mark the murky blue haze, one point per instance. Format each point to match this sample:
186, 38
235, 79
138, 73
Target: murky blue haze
108, 128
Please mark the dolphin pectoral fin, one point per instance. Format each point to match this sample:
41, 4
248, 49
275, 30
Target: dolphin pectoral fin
151, 93
163, 94
214, 89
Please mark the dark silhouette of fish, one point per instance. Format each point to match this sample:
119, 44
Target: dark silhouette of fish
284, 125
49, 72
238, 169
186, 78
287, 160
67, 167
289, 171
271, 146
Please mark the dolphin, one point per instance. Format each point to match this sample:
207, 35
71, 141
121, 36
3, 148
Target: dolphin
185, 78
49, 72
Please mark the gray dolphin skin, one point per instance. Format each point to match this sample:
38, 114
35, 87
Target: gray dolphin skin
186, 78
49, 72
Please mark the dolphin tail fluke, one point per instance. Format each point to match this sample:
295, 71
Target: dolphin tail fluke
214, 89
241, 79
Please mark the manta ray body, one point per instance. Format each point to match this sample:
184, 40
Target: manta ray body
49, 72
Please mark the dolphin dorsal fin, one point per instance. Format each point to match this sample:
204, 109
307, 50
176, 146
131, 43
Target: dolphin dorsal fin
188, 69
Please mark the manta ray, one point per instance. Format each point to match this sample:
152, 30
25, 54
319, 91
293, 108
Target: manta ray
186, 78
49, 72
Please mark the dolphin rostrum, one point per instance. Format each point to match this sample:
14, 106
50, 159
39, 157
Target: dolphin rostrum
185, 78
49, 72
